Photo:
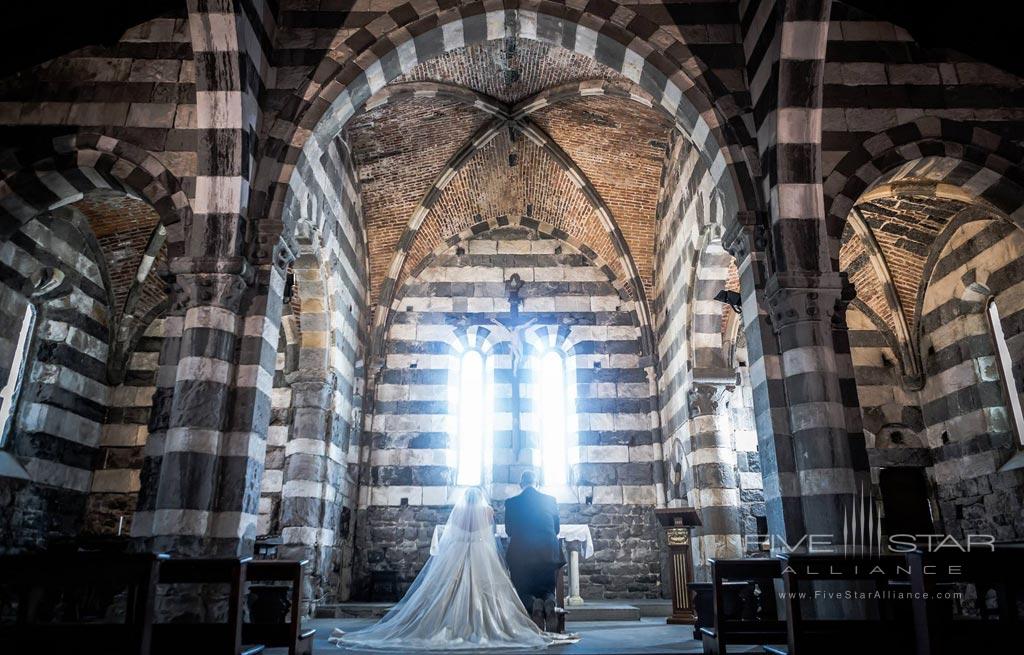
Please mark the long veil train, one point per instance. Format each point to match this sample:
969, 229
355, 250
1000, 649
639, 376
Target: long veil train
462, 599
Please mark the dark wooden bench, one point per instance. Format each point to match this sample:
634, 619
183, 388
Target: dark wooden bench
997, 576
174, 638
61, 585
277, 634
755, 625
885, 627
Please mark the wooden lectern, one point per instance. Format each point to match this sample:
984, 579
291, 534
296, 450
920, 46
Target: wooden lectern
677, 522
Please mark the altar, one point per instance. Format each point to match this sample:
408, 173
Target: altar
577, 540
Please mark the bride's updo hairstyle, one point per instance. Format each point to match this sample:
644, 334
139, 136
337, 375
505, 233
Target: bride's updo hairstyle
473, 496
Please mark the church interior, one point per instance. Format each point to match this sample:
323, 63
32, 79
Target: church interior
280, 279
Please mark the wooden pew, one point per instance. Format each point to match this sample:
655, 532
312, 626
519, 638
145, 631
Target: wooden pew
276, 635
888, 628
35, 576
759, 626
938, 631
175, 638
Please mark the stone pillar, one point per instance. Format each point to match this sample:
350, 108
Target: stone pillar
574, 597
715, 488
314, 476
829, 466
747, 241
203, 495
160, 413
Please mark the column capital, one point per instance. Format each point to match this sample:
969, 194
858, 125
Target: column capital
705, 398
804, 297
747, 234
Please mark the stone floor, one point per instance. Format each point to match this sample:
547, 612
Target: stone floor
649, 636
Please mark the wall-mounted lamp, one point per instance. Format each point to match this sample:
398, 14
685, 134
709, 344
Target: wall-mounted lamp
731, 298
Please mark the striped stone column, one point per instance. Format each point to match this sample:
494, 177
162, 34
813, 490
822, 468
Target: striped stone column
197, 501
160, 414
715, 488
747, 241
314, 475
830, 468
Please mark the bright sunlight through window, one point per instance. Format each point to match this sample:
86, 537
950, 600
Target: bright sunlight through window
472, 418
553, 418
9, 393
1006, 371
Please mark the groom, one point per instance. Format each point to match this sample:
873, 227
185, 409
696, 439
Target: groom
534, 555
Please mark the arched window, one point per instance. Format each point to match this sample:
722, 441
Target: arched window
1005, 364
18, 361
474, 418
553, 403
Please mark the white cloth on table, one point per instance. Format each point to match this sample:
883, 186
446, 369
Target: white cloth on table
577, 532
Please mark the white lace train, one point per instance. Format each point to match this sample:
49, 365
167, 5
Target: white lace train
463, 597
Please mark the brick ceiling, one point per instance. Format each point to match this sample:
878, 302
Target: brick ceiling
401, 148
905, 228
123, 227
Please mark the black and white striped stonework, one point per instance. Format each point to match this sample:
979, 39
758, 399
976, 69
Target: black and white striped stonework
116, 481
58, 429
313, 447
697, 378
308, 125
454, 299
967, 425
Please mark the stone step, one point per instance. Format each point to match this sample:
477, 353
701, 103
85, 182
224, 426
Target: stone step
352, 610
602, 611
591, 610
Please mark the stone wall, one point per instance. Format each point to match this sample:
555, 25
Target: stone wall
58, 428
626, 561
115, 482
967, 425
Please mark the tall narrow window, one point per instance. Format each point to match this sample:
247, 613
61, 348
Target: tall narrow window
472, 418
1005, 363
9, 393
554, 414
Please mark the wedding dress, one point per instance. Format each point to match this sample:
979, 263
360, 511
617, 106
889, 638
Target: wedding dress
463, 597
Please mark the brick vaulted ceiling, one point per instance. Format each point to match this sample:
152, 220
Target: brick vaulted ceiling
123, 227
905, 227
400, 148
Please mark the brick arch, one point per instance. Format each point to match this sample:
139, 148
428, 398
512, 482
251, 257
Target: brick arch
630, 285
902, 335
698, 101
631, 92
62, 170
983, 164
395, 93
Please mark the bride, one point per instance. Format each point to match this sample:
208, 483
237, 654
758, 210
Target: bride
462, 599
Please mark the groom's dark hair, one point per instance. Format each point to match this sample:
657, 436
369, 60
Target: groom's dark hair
527, 479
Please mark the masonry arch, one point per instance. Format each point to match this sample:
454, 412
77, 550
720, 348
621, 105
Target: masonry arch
698, 103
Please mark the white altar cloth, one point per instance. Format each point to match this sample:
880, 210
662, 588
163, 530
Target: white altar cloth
569, 532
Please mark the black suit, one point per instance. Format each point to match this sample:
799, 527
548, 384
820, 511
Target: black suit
534, 554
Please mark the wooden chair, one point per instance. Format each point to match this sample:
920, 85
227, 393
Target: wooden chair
41, 577
998, 575
759, 626
276, 635
176, 638
887, 629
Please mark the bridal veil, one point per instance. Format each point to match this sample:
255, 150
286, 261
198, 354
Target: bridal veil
462, 599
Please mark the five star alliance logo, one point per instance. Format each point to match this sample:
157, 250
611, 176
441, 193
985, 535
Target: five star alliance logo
862, 527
